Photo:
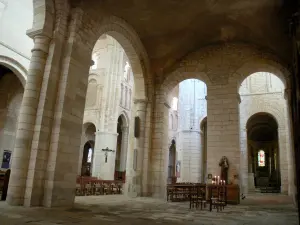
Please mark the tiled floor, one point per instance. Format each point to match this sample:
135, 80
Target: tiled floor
109, 210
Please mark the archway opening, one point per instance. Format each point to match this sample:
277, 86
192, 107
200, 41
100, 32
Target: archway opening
11, 94
263, 92
263, 152
110, 93
188, 108
88, 150
87, 159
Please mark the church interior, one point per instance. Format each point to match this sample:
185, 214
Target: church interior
141, 112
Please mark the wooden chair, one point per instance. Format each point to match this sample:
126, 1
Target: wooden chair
217, 197
198, 196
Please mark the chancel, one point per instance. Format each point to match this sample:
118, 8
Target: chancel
110, 104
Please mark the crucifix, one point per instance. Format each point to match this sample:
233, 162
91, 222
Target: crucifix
106, 150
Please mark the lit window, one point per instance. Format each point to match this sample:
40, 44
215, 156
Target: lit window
89, 158
175, 103
261, 158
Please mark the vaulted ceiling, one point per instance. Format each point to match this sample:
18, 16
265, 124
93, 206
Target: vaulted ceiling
170, 29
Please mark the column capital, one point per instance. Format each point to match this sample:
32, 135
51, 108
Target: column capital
32, 33
41, 43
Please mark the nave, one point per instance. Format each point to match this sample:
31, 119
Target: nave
112, 210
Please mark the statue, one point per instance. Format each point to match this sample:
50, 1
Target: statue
224, 164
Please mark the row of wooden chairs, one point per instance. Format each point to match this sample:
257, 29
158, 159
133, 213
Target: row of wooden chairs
99, 188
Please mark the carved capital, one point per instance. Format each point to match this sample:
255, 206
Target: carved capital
41, 44
32, 33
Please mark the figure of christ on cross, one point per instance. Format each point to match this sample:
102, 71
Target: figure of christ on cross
106, 150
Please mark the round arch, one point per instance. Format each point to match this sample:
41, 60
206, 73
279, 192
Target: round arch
264, 114
15, 67
276, 113
89, 125
226, 63
134, 49
177, 77
268, 66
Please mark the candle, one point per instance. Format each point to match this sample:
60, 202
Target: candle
218, 180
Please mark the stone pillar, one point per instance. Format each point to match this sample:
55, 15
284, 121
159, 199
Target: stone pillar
26, 122
102, 169
124, 147
223, 129
283, 160
290, 149
135, 178
159, 151
244, 163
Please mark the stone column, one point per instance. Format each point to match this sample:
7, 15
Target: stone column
102, 169
26, 122
134, 184
290, 146
124, 146
223, 128
159, 151
283, 160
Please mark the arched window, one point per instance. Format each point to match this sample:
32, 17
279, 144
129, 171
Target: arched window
90, 155
261, 158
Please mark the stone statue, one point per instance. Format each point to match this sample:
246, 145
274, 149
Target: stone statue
224, 164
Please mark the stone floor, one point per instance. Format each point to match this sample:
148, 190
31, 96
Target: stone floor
110, 210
